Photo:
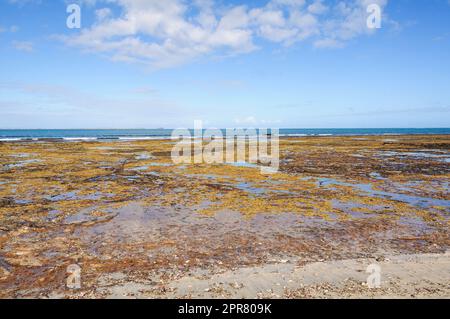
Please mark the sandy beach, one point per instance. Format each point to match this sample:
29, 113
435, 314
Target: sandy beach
139, 226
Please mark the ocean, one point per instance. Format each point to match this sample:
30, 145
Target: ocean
138, 134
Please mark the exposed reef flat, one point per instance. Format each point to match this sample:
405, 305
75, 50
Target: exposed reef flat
140, 226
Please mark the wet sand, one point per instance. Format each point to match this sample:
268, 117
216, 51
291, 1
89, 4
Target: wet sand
141, 227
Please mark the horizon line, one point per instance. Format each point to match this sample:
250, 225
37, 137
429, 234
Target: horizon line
224, 128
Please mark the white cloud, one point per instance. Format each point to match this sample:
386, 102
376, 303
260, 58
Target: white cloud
103, 14
172, 32
317, 7
61, 105
328, 43
11, 29
145, 90
24, 2
252, 121
289, 3
25, 46
88, 3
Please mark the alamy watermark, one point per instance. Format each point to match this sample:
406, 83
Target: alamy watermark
373, 19
374, 279
214, 146
74, 19
74, 277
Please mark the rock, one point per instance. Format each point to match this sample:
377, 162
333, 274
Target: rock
4, 273
22, 257
26, 261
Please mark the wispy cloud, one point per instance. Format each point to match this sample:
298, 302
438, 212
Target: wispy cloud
11, 29
387, 112
76, 108
253, 121
24, 2
145, 90
442, 37
25, 46
80, 100
172, 32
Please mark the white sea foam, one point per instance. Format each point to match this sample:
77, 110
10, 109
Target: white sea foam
80, 138
10, 139
143, 138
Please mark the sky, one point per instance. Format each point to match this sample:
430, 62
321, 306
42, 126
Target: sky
229, 63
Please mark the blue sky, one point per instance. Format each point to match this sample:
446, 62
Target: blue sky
275, 63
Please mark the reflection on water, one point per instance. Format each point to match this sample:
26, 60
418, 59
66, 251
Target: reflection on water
418, 201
